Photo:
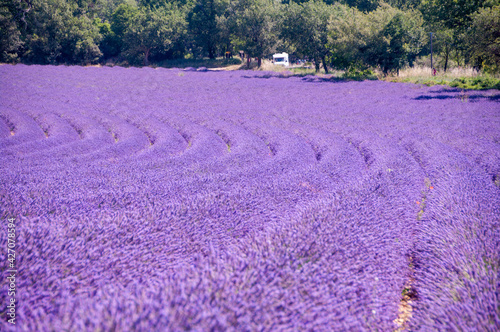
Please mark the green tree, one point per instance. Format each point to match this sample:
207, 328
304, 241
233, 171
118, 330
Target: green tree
404, 4
451, 19
10, 40
203, 24
54, 34
443, 42
446, 42
153, 4
363, 5
453, 14
255, 26
404, 38
387, 38
348, 33
81, 42
305, 27
225, 25
120, 20
484, 39
109, 45
151, 31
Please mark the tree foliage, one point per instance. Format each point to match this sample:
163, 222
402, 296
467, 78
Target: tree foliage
305, 26
348, 36
362, 5
454, 14
387, 38
344, 34
254, 25
402, 39
56, 35
153, 31
484, 38
203, 24
10, 40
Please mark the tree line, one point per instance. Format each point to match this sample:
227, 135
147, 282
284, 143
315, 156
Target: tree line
344, 34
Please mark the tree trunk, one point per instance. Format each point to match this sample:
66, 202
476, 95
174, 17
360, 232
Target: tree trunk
248, 61
316, 64
446, 56
324, 65
259, 62
146, 56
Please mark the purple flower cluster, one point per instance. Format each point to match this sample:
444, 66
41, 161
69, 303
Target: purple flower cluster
154, 199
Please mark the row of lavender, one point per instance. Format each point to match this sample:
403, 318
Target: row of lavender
151, 199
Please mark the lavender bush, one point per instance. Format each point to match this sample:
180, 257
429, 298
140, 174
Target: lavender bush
154, 199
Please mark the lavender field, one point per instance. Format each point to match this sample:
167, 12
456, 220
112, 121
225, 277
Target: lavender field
165, 199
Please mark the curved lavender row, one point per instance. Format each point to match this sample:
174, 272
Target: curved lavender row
248, 203
457, 253
246, 150
23, 128
57, 134
127, 138
5, 131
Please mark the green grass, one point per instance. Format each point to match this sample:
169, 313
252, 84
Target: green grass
196, 63
359, 75
479, 82
459, 79
303, 71
476, 83
336, 75
463, 78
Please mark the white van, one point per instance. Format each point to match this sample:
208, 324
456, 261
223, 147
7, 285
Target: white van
281, 59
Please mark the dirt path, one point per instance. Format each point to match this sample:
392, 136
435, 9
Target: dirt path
228, 68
